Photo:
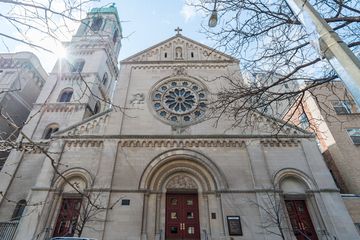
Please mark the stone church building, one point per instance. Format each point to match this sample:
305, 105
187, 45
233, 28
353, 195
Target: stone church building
134, 153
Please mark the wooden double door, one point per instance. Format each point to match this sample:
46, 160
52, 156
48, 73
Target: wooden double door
182, 217
300, 220
68, 217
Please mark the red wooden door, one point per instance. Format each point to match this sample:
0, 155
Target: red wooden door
68, 217
300, 220
182, 217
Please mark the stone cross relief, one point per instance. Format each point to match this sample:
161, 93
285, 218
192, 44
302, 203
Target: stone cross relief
137, 98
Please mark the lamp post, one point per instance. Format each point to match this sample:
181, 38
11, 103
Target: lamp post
338, 54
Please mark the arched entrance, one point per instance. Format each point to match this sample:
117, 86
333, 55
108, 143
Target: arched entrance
190, 180
182, 209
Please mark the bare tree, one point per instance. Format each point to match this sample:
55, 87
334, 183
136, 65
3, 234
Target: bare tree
52, 19
274, 50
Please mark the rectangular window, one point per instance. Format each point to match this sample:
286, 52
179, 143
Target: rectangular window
343, 107
354, 134
304, 121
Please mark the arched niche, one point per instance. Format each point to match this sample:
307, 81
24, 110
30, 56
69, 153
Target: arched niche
293, 181
75, 177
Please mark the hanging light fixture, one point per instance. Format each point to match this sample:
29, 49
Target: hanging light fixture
214, 17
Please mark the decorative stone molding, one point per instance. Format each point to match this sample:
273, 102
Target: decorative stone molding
204, 65
26, 147
178, 143
84, 143
63, 107
280, 143
74, 76
181, 181
179, 71
86, 127
137, 98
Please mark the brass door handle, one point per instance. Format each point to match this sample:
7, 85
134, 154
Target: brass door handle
182, 226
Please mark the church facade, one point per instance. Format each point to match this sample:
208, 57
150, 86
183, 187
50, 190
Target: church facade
134, 153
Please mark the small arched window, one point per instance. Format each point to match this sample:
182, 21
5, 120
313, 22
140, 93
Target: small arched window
78, 65
96, 24
66, 95
115, 36
105, 79
192, 54
97, 107
165, 55
51, 129
18, 211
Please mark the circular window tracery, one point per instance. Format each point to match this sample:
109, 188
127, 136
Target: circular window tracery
179, 102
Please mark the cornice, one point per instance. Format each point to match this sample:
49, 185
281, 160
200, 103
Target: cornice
179, 143
84, 143
280, 143
62, 107
219, 136
175, 63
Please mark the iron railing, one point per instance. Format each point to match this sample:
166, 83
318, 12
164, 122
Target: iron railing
7, 230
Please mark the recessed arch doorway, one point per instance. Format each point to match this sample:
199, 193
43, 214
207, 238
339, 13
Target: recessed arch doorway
190, 180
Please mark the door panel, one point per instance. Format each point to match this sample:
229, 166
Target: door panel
182, 217
68, 217
300, 220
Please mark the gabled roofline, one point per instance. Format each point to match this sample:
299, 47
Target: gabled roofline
183, 37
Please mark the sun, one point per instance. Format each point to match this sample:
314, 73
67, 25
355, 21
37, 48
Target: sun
60, 52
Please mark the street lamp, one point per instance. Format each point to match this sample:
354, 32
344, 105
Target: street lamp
213, 18
338, 54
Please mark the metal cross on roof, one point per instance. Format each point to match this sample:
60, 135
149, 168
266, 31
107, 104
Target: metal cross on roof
178, 30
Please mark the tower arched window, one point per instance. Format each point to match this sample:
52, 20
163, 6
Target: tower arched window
96, 24
97, 107
66, 95
78, 65
115, 36
18, 211
51, 129
105, 79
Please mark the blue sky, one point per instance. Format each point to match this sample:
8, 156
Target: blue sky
150, 22
144, 23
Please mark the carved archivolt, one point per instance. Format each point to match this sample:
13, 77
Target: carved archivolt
181, 181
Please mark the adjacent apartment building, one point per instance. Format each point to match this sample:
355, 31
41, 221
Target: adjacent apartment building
21, 80
331, 113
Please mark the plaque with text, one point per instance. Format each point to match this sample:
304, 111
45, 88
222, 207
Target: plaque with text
234, 225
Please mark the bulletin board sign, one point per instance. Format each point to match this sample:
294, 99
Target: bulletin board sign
234, 225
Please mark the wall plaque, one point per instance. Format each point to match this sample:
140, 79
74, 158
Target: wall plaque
234, 225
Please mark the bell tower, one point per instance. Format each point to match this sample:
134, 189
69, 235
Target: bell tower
82, 83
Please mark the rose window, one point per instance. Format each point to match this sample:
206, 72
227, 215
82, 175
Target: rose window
179, 102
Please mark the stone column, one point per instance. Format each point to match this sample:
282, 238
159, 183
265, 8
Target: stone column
145, 216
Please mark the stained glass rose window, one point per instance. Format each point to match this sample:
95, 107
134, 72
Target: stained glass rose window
179, 101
